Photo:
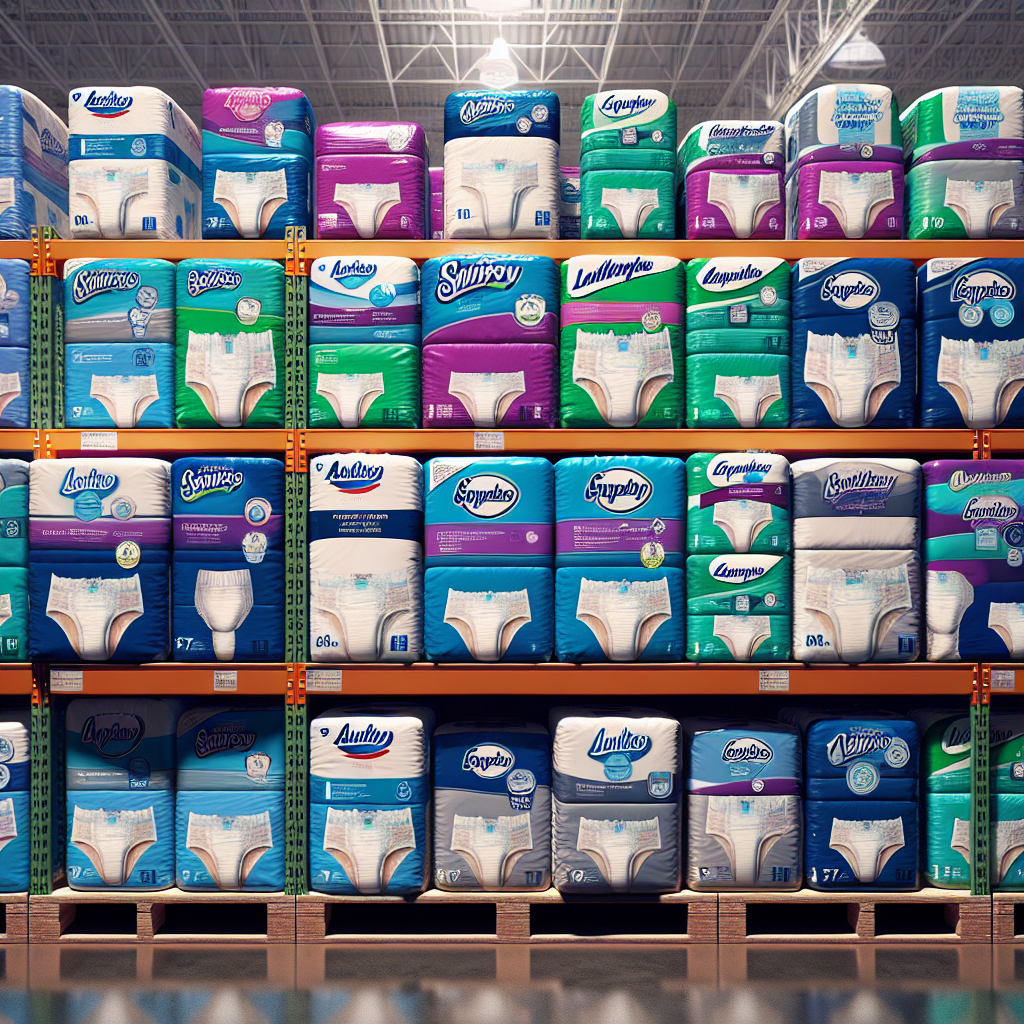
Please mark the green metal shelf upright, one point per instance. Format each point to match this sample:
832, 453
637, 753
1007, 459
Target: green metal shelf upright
46, 370
981, 883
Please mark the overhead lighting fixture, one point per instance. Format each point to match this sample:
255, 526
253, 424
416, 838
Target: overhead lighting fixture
498, 69
858, 53
499, 6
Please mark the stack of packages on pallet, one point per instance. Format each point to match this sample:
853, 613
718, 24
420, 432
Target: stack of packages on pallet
15, 343
14, 613
15, 817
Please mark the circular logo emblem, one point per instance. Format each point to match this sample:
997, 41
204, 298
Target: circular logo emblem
273, 133
618, 767
138, 147
6, 749
862, 777
257, 511
971, 316
399, 137
1015, 557
1014, 535
652, 554
404, 791
1001, 312
757, 785
254, 547
123, 509
539, 113
248, 310
657, 135
897, 754
5, 776
768, 159
529, 310
382, 295
769, 296
128, 554
770, 600
651, 320
867, 152
87, 506
523, 125
521, 780
884, 316
532, 537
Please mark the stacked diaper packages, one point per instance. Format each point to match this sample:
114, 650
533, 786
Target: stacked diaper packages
15, 340
492, 807
229, 806
569, 206
258, 149
737, 342
619, 584
627, 165
501, 176
369, 800
844, 172
372, 180
365, 558
974, 559
119, 343
854, 343
616, 784
120, 756
14, 619
972, 355
964, 153
490, 330
15, 819
136, 165
228, 560
1006, 801
622, 341
99, 564
732, 173
744, 806
436, 177
488, 533
230, 356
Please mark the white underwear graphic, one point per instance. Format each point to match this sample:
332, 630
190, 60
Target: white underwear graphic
1009, 845
363, 607
367, 203
858, 606
742, 519
369, 845
110, 192
492, 845
851, 375
983, 377
113, 840
623, 614
501, 186
747, 828
743, 198
230, 373
948, 595
6, 611
748, 398
622, 373
250, 198
630, 207
978, 204
487, 620
223, 600
10, 388
742, 634
229, 847
125, 398
619, 848
487, 396
1007, 619
350, 395
94, 613
856, 198
867, 845
960, 840
8, 822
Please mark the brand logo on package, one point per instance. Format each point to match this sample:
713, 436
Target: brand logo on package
609, 272
961, 479
723, 468
353, 477
95, 481
486, 106
615, 105
862, 490
49, 143
748, 748
488, 760
856, 110
247, 104
728, 571
352, 273
113, 734
205, 480
977, 110
456, 278
631, 745
743, 130
90, 283
486, 496
107, 104
364, 744
975, 287
618, 490
716, 278
200, 281
847, 746
220, 738
990, 506
850, 289
957, 737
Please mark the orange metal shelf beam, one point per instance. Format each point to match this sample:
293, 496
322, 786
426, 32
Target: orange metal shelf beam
15, 679
18, 440
1006, 678
1006, 442
170, 678
55, 442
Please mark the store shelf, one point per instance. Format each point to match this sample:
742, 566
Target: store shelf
170, 678
57, 443
17, 440
1006, 442
425, 680
1006, 678
15, 678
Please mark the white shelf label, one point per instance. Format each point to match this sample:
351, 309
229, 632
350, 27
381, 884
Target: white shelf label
488, 440
225, 680
1004, 679
323, 680
66, 680
773, 680
94, 440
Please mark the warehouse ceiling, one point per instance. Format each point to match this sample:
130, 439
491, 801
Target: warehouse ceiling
399, 59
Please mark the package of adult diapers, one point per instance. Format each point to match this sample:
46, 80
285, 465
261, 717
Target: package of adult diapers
966, 199
946, 845
477, 613
946, 747
436, 175
757, 758
738, 638
738, 584
1007, 842
490, 298
501, 177
120, 840
629, 121
490, 386
119, 385
15, 854
738, 305
619, 510
737, 502
116, 743
737, 391
972, 361
14, 387
492, 807
229, 842
376, 138
373, 385
256, 195
732, 145
118, 300
15, 302
856, 503
245, 119
489, 511
735, 204
13, 512
13, 613
619, 614
854, 343
621, 203
846, 198
857, 606
230, 343
230, 748
364, 299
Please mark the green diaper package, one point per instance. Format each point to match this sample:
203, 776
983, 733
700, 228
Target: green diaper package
737, 391
946, 839
628, 204
13, 614
739, 584
374, 385
738, 638
628, 120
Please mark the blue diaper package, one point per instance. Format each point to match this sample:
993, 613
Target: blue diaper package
15, 304
229, 842
14, 387
119, 385
868, 758
234, 748
119, 300
14, 748
15, 834
13, 512
474, 613
530, 113
760, 758
619, 614
255, 196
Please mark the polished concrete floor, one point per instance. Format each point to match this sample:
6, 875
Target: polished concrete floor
452, 984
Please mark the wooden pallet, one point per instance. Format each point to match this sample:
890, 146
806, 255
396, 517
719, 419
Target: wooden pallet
536, 917
1008, 917
169, 915
931, 915
15, 917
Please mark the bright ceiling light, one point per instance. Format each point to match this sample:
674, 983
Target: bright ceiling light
498, 69
858, 53
499, 6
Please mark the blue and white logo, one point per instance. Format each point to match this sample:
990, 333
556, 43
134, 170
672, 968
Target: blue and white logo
862, 777
488, 760
486, 496
456, 278
353, 273
364, 744
200, 281
353, 478
850, 289
93, 481
486, 106
618, 751
618, 490
113, 734
90, 283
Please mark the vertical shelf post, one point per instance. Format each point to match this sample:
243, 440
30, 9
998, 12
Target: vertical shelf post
296, 313
296, 784
41, 839
44, 394
980, 816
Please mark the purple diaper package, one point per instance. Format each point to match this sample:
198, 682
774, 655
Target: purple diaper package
370, 196
735, 204
240, 119
513, 385
437, 202
846, 199
398, 139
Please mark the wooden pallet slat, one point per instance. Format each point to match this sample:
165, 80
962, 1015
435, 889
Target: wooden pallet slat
15, 908
1008, 917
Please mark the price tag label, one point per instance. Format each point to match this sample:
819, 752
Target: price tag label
1004, 679
323, 680
489, 440
66, 680
773, 680
97, 440
225, 680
